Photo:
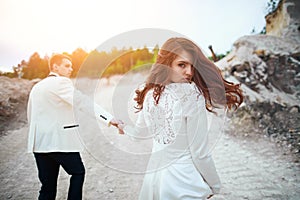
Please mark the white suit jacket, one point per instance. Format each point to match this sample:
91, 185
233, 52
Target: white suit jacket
52, 125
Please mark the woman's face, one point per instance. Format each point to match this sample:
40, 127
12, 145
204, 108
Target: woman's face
182, 69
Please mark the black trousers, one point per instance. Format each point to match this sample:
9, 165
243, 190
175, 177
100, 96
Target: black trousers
48, 168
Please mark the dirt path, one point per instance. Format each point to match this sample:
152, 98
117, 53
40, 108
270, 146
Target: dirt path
249, 169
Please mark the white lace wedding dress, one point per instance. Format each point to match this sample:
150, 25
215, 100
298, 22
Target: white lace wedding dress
180, 166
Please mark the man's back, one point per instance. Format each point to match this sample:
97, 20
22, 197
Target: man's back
50, 114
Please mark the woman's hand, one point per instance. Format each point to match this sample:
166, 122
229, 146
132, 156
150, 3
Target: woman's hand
121, 128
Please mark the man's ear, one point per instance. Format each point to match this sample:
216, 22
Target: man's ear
55, 67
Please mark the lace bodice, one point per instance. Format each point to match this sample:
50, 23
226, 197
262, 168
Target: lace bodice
164, 120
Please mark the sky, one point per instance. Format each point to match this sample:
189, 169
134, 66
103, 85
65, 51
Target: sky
56, 26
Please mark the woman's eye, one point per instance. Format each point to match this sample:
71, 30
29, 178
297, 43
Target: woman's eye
182, 65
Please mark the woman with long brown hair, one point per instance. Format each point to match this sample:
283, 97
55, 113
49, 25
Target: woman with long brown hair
182, 86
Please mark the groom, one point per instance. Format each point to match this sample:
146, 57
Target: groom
53, 132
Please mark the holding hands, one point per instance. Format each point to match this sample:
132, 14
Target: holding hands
118, 124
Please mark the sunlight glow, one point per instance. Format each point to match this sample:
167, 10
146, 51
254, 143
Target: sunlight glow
49, 26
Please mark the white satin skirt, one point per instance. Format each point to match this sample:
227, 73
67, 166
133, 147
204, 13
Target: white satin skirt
179, 180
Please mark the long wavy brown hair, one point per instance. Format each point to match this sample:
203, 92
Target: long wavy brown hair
207, 76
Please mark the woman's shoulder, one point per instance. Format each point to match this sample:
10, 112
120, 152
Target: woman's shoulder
182, 90
181, 86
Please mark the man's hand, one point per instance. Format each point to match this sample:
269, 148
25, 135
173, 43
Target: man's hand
117, 123
121, 128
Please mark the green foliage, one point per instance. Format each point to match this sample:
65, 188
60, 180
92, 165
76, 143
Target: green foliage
127, 60
8, 74
263, 31
94, 64
36, 67
219, 56
270, 8
78, 56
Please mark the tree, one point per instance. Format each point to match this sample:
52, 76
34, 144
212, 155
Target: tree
78, 56
36, 67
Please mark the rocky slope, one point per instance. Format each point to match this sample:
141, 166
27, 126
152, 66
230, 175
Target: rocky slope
268, 67
13, 102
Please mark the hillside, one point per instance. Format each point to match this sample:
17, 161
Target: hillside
13, 102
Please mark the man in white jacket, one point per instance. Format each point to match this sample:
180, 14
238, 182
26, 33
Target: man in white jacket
53, 132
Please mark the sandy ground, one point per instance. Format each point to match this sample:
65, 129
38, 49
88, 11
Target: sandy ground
249, 169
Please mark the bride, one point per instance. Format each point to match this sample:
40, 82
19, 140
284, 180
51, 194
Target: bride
183, 84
